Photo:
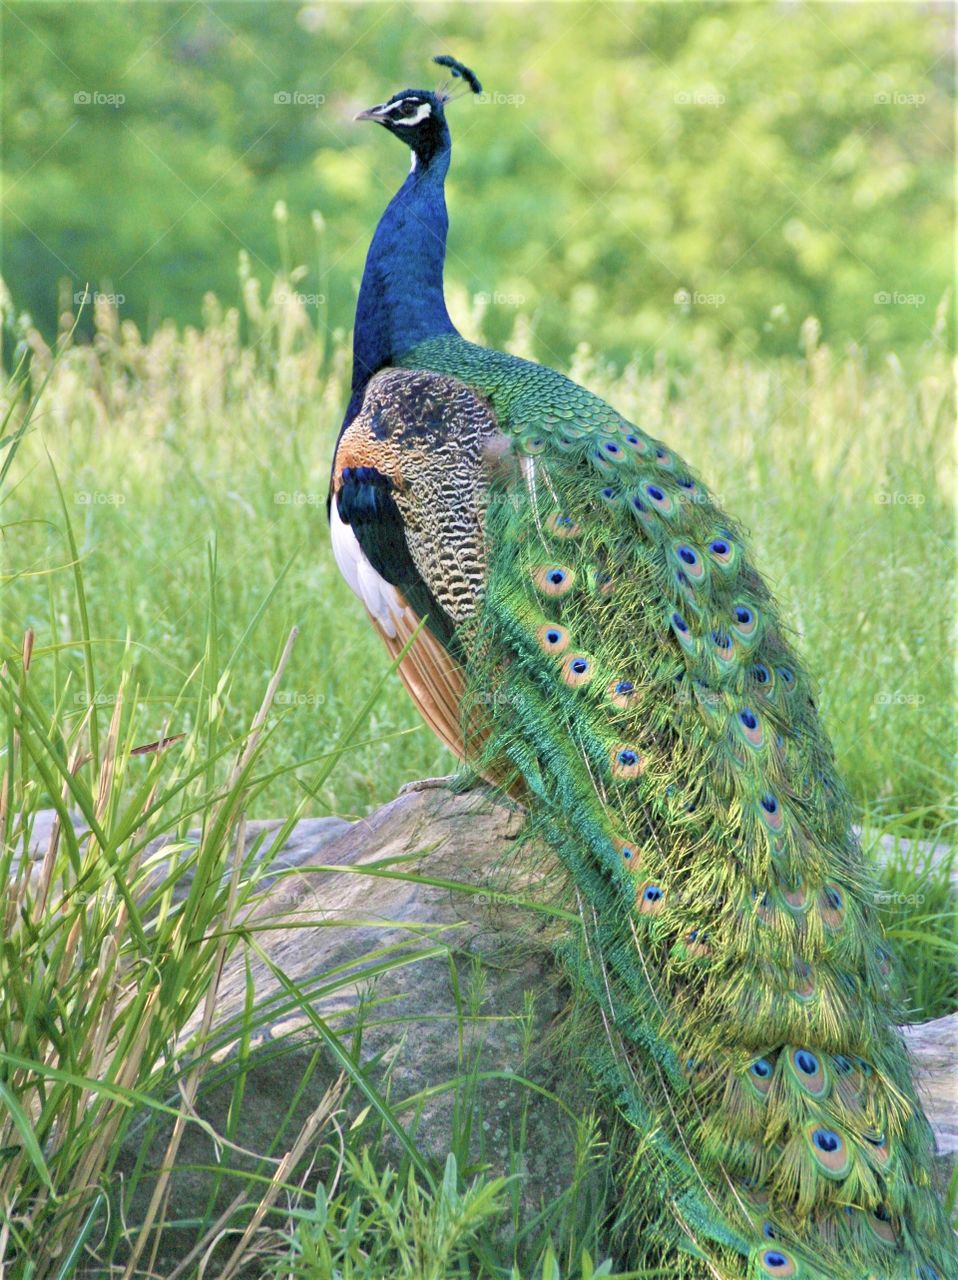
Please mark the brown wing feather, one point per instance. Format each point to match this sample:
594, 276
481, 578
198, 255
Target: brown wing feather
436, 441
431, 675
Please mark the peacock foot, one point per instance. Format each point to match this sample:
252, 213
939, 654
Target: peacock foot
458, 783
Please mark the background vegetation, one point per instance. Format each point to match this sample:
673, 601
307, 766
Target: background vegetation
641, 176
195, 468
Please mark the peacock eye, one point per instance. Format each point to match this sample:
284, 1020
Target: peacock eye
409, 107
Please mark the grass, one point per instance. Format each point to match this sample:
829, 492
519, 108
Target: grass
195, 471
109, 1051
167, 573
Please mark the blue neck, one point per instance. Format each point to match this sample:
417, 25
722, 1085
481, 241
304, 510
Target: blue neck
401, 301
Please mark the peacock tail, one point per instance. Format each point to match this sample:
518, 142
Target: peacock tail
599, 643
629, 666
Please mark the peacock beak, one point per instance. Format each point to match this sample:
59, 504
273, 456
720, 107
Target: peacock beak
380, 113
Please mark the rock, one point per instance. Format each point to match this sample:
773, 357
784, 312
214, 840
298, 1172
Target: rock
350, 917
453, 838
482, 972
934, 1050
448, 837
301, 844
889, 847
476, 961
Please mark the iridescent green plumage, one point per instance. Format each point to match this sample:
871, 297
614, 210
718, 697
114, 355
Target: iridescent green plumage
648, 697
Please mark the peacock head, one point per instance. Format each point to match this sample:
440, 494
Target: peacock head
418, 116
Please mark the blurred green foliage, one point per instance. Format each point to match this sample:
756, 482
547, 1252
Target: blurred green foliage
639, 176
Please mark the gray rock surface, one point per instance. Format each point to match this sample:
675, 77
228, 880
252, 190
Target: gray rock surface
934, 1050
456, 837
489, 974
474, 1004
337, 907
306, 837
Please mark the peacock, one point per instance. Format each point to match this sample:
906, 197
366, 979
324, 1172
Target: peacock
578, 621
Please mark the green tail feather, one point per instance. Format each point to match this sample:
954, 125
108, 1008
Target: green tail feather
648, 694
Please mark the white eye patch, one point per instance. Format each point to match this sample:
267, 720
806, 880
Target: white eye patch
424, 110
